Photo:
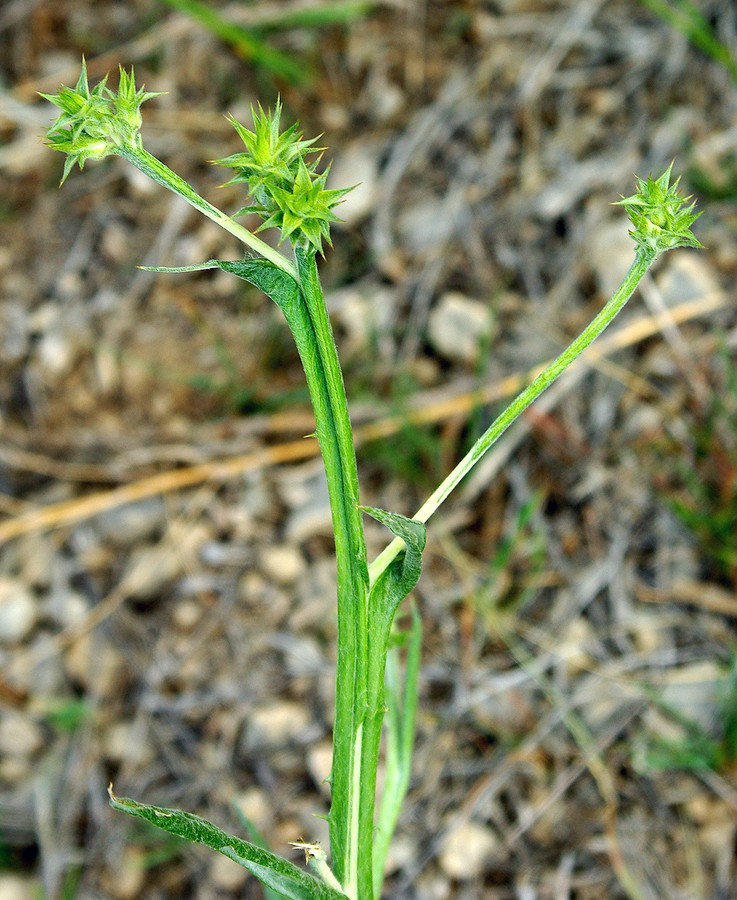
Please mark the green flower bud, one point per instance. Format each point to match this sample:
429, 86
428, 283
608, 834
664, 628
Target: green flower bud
288, 191
96, 123
662, 217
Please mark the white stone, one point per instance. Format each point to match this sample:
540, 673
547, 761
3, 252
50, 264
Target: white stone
257, 807
319, 763
226, 874
467, 851
459, 327
610, 252
282, 563
19, 736
14, 887
356, 165
277, 724
686, 276
18, 611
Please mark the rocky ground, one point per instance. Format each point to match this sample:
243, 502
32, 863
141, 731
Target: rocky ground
166, 577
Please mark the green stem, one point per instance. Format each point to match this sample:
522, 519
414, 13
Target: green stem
167, 178
643, 261
350, 845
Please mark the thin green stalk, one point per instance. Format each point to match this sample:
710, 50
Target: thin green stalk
350, 845
643, 260
169, 179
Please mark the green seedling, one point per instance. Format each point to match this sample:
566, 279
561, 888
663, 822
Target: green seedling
698, 748
687, 18
701, 489
287, 188
250, 43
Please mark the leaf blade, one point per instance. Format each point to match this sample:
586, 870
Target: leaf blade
272, 870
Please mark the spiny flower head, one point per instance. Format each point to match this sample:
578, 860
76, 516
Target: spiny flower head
288, 191
95, 123
661, 215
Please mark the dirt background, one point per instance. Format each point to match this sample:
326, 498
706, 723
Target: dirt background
166, 581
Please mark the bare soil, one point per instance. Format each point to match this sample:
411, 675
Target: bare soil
166, 575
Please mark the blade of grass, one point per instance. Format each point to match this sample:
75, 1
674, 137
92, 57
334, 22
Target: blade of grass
686, 18
245, 42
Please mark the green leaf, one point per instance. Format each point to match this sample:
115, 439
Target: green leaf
261, 273
402, 575
272, 870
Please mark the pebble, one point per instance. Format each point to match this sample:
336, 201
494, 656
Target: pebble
282, 563
319, 763
357, 164
18, 611
611, 252
150, 569
133, 522
125, 742
278, 724
459, 327
225, 874
128, 880
256, 806
15, 887
309, 505
686, 276
20, 736
66, 607
467, 850
90, 661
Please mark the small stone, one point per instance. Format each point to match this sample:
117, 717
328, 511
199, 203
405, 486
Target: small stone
282, 563
90, 660
225, 874
125, 742
686, 276
18, 611
459, 327
133, 522
610, 253
150, 569
277, 725
15, 887
307, 497
357, 164
67, 607
467, 850
20, 736
56, 354
319, 763
37, 556
128, 880
186, 615
256, 807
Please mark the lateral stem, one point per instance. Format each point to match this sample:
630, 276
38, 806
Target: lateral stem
643, 261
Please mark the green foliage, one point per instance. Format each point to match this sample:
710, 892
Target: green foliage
697, 748
67, 715
95, 123
662, 217
703, 492
289, 192
685, 17
279, 874
250, 43
246, 43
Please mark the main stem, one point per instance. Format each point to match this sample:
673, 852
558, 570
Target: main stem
350, 840
643, 261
